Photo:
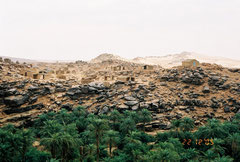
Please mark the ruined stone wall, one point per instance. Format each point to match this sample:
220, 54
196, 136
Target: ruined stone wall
191, 63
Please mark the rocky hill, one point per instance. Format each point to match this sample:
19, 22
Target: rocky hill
171, 60
105, 57
210, 91
167, 61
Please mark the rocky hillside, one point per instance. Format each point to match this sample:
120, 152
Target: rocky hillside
210, 91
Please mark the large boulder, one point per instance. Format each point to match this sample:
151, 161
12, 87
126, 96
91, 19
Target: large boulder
129, 98
74, 93
122, 108
227, 109
97, 85
15, 101
67, 106
206, 89
33, 88
131, 103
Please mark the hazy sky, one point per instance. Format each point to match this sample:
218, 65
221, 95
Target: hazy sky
83, 29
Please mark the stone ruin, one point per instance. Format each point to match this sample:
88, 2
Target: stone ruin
61, 76
109, 78
35, 74
190, 63
126, 78
89, 79
148, 67
118, 68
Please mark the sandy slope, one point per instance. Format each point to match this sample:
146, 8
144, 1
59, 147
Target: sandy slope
176, 59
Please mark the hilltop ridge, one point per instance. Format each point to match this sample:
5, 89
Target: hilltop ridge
166, 61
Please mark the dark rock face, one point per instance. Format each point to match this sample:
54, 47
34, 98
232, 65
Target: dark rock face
173, 76
33, 100
85, 89
33, 88
92, 88
104, 110
67, 106
16, 101
162, 126
23, 109
227, 109
206, 89
192, 78
193, 102
60, 89
218, 82
215, 103
234, 70
74, 93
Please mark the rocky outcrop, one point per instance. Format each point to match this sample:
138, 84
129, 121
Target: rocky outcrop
15, 101
23, 109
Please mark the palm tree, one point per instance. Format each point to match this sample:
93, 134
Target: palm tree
217, 147
127, 125
115, 117
79, 112
133, 137
213, 129
98, 126
234, 141
60, 143
190, 154
176, 125
50, 127
186, 124
133, 146
223, 159
163, 152
145, 116
52, 144
111, 138
67, 144
26, 138
9, 143
132, 115
209, 155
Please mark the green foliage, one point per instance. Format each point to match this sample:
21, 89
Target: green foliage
185, 124
213, 129
15, 143
82, 136
34, 155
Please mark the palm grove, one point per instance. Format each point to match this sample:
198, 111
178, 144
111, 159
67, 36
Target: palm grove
82, 136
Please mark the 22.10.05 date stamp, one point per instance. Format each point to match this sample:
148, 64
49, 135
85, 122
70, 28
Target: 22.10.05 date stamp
198, 142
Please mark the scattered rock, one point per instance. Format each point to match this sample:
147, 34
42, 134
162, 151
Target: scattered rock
206, 89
